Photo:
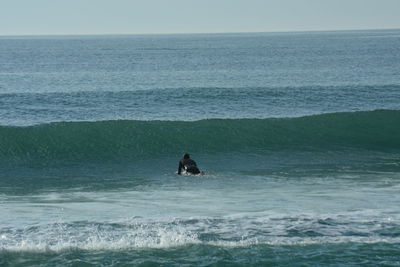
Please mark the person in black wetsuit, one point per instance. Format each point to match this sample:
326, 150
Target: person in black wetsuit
187, 164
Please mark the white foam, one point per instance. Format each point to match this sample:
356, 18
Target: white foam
237, 231
60, 237
94, 243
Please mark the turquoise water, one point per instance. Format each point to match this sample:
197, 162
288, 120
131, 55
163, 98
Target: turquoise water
298, 134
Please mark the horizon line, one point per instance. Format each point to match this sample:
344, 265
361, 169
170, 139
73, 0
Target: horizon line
195, 33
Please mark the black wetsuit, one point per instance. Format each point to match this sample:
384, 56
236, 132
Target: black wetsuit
189, 166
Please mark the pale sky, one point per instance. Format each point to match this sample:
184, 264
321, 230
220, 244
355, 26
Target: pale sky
42, 17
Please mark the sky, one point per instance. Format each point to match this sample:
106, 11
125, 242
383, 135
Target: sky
47, 17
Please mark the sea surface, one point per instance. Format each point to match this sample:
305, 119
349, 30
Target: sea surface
298, 135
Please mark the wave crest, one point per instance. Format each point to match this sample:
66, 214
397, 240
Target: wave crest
107, 140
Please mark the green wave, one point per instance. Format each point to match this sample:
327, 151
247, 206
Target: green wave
107, 140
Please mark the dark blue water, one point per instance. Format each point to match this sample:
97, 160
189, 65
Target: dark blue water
298, 134
191, 77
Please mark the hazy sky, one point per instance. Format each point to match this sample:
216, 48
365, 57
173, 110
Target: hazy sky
20, 17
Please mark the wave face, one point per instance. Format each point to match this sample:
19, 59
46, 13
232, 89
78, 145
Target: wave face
105, 140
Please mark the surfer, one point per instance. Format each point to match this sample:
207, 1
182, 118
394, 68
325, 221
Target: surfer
188, 165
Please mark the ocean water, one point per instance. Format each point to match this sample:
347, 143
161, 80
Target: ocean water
298, 134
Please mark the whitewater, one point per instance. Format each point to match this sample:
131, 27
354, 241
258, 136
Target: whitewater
298, 134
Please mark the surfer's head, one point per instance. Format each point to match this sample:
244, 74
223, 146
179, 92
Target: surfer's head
186, 156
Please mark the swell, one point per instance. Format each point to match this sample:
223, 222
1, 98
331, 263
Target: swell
107, 140
194, 103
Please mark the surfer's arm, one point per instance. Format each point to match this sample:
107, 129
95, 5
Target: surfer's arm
180, 167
